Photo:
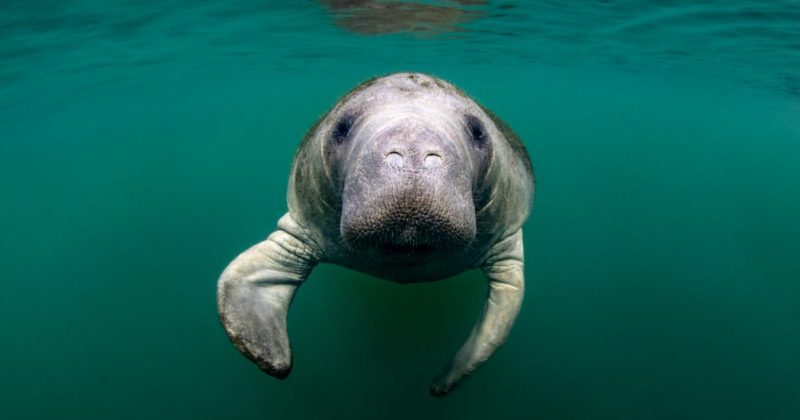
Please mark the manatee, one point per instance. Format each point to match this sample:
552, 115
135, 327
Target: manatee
408, 179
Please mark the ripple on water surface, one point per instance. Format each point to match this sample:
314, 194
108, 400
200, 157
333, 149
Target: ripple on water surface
754, 43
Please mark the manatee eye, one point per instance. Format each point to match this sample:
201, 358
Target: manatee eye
477, 131
342, 128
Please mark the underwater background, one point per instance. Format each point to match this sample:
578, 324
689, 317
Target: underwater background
144, 144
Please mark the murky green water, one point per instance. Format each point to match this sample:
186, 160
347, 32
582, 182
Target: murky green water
145, 144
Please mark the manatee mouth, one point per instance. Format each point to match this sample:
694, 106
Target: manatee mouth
394, 248
406, 232
408, 224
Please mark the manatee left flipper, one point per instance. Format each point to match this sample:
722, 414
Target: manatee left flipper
255, 291
504, 269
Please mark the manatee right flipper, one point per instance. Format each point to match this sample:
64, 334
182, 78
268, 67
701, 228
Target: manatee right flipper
255, 291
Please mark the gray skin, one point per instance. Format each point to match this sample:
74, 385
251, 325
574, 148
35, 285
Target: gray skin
407, 179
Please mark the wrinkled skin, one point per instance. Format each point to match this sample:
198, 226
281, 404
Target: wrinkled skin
407, 179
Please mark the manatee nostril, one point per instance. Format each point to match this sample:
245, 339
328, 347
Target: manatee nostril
432, 160
394, 159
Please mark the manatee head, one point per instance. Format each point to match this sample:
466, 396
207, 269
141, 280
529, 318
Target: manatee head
407, 154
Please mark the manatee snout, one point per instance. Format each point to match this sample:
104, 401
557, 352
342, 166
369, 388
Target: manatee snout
408, 192
413, 218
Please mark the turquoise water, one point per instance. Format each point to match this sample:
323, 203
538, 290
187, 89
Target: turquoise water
145, 144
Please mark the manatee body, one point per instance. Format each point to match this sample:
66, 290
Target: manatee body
405, 178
